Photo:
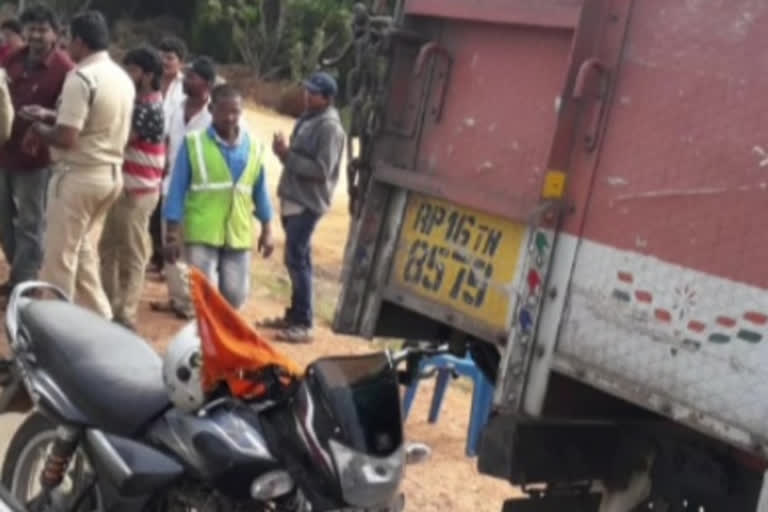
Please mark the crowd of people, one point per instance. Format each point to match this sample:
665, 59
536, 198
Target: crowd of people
111, 170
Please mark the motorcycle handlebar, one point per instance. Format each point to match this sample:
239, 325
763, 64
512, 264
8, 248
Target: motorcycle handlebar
403, 355
21, 293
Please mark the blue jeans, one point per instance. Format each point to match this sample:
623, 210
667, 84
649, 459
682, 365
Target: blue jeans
22, 220
228, 269
298, 260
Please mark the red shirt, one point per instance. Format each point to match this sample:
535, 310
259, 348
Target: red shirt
6, 51
40, 85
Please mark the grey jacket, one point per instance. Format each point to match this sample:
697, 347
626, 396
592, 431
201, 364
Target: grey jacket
311, 170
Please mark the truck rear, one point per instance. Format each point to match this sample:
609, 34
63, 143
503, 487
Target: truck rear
573, 190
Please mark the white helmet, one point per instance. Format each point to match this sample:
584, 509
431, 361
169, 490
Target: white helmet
181, 370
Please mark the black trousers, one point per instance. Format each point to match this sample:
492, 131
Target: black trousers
156, 233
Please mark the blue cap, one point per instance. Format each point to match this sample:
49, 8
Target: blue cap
322, 83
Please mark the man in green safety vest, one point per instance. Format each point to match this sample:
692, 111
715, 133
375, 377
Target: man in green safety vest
218, 183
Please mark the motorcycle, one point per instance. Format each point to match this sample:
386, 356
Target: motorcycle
103, 434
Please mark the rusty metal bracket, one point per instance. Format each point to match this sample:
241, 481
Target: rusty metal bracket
588, 69
427, 51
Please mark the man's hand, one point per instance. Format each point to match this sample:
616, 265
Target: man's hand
36, 113
30, 144
172, 244
266, 244
280, 146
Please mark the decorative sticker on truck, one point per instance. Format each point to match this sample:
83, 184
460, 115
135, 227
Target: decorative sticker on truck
459, 258
721, 329
539, 248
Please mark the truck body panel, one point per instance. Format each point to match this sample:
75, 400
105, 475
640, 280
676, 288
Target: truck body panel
668, 291
646, 279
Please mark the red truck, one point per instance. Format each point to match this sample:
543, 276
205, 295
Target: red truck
573, 190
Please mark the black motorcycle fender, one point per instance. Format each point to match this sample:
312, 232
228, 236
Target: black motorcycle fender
132, 468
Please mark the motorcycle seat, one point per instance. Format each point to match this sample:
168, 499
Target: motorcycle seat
112, 375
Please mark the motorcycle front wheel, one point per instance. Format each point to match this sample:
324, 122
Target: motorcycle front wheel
24, 462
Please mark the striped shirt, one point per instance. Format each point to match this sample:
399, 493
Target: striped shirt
146, 152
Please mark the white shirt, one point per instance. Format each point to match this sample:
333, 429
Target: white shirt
174, 97
177, 130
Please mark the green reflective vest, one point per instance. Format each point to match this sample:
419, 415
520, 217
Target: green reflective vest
218, 212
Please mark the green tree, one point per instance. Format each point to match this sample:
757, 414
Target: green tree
64, 8
279, 38
257, 29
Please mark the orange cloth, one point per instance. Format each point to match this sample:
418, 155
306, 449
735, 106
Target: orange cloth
230, 346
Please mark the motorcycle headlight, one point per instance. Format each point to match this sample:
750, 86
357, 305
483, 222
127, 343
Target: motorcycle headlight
271, 485
367, 481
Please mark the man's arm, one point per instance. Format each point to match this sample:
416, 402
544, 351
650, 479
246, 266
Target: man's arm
318, 167
173, 211
73, 112
261, 200
59, 136
263, 211
6, 109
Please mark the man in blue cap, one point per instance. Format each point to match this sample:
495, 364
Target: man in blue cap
311, 161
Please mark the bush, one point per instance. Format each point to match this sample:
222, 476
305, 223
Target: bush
278, 39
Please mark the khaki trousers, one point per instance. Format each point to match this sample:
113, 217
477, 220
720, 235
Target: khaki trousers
125, 250
78, 201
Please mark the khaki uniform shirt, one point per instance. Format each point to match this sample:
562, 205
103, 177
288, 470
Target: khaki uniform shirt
97, 99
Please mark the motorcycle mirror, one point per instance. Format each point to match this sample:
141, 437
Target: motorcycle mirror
417, 453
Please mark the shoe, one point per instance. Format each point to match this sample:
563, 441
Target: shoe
296, 334
282, 322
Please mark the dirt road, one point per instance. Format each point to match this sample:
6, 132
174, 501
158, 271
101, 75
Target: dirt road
449, 482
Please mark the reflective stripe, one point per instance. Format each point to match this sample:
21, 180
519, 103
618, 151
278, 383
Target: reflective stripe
254, 159
211, 186
220, 186
200, 160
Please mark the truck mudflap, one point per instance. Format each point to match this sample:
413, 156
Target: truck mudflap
526, 451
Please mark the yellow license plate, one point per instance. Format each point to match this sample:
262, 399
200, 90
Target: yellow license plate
460, 258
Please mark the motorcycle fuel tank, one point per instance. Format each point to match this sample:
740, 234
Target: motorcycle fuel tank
223, 446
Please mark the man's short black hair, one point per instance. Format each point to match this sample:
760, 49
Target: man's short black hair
205, 68
172, 44
148, 60
11, 24
40, 13
92, 29
225, 91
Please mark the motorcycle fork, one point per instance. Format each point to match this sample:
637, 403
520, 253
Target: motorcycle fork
58, 460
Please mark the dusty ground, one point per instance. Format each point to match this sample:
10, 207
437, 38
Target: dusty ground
449, 482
